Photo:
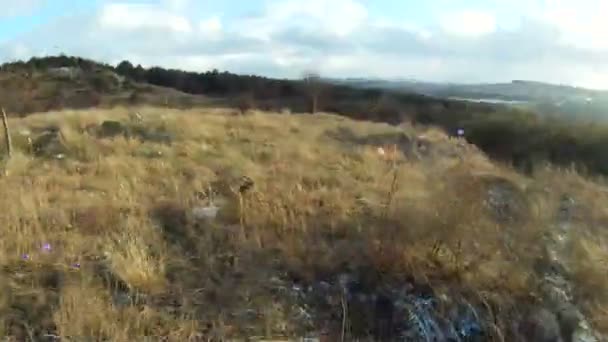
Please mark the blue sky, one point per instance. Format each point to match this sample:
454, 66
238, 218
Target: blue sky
559, 41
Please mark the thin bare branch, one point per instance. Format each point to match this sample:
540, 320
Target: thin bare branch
9, 144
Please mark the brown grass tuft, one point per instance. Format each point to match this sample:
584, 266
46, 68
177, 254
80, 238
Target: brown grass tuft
320, 201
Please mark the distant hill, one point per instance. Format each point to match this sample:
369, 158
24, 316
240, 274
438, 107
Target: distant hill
517, 90
514, 134
54, 83
57, 82
543, 98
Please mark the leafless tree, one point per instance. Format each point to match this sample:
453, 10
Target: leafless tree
313, 87
246, 102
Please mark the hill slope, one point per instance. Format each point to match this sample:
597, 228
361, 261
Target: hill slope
45, 79
566, 102
26, 91
198, 225
514, 135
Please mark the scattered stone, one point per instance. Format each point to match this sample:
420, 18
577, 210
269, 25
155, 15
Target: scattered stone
205, 213
584, 333
541, 325
147, 152
109, 129
246, 184
557, 289
159, 137
423, 146
121, 299
505, 200
136, 117
567, 208
49, 144
403, 312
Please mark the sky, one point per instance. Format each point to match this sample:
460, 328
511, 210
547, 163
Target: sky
469, 41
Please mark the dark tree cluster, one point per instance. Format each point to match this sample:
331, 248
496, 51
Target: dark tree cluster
44, 63
211, 82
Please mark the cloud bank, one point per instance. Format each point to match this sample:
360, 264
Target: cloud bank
554, 41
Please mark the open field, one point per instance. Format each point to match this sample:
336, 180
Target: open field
110, 233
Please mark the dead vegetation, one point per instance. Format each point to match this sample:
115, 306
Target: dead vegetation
116, 239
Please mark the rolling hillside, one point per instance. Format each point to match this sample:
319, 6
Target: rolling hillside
523, 137
201, 225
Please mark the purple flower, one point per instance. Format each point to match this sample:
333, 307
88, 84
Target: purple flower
25, 256
460, 132
46, 247
76, 265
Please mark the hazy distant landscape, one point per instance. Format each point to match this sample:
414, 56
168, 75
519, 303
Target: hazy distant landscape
544, 98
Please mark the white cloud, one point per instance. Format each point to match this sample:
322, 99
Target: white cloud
557, 41
468, 23
211, 28
130, 17
581, 24
333, 17
177, 5
18, 7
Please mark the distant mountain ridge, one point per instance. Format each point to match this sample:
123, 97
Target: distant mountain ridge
516, 90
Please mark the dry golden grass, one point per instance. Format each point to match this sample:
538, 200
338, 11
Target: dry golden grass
123, 213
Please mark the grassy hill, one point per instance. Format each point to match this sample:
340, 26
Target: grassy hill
517, 136
205, 226
28, 91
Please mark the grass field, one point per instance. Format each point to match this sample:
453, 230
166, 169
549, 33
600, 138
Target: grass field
106, 238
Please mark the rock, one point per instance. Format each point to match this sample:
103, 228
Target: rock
136, 117
148, 134
159, 137
383, 317
311, 339
567, 209
205, 213
541, 325
230, 185
556, 291
583, 333
505, 200
110, 129
121, 299
148, 152
49, 144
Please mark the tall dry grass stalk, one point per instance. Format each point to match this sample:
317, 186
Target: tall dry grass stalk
7, 134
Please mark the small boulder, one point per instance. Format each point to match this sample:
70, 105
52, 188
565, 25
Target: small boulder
159, 137
50, 143
541, 325
205, 213
110, 129
505, 200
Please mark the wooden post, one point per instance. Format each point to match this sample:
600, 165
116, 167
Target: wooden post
7, 134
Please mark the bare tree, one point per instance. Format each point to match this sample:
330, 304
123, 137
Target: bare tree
246, 102
313, 87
